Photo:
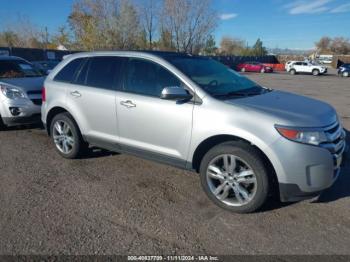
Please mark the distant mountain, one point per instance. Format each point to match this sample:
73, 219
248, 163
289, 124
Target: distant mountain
287, 51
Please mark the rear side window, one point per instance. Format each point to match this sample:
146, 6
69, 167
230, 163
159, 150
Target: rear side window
68, 72
102, 72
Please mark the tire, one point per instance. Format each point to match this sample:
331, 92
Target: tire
2, 125
249, 162
315, 72
71, 136
262, 70
345, 74
293, 72
243, 70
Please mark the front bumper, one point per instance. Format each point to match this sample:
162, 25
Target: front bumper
29, 112
306, 170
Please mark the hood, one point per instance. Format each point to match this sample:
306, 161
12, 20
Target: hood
290, 109
25, 83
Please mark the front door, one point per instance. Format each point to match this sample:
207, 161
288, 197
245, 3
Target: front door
148, 124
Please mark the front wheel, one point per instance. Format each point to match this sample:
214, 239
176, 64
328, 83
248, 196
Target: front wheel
292, 72
243, 69
234, 177
315, 72
66, 136
345, 74
262, 70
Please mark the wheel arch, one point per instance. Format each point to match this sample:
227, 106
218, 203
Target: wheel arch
212, 141
52, 113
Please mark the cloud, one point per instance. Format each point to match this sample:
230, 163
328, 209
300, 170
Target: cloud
341, 9
308, 7
228, 16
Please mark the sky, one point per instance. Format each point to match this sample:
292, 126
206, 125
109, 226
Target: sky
294, 24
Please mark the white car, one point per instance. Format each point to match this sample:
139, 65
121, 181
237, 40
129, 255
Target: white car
288, 65
306, 67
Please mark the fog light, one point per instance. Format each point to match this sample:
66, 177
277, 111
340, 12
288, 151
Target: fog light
15, 111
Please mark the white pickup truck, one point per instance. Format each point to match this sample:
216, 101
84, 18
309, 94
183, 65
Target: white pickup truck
306, 68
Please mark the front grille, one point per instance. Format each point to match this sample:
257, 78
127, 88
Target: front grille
336, 142
37, 102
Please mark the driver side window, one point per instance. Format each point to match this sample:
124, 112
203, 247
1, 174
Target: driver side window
148, 78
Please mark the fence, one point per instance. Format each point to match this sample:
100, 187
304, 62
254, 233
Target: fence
233, 61
35, 54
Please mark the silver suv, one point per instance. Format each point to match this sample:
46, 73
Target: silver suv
20, 92
245, 140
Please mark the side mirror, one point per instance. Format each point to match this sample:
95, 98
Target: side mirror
175, 93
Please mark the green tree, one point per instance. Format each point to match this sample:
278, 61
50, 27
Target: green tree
258, 48
231, 46
210, 46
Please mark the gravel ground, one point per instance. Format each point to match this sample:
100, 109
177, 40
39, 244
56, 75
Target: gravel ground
117, 204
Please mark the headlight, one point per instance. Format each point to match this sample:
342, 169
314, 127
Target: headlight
306, 136
12, 92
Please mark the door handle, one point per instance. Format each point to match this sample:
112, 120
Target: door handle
75, 93
127, 103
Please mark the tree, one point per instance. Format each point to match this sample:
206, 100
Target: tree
128, 29
149, 14
165, 42
22, 33
190, 22
340, 46
84, 23
258, 48
210, 46
62, 37
337, 45
231, 46
323, 45
9, 38
105, 24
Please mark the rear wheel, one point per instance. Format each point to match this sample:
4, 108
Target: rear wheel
345, 74
292, 72
262, 70
315, 72
234, 177
243, 69
66, 136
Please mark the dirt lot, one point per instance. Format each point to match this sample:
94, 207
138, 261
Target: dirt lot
118, 204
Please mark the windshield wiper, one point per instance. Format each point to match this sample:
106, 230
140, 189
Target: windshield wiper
238, 94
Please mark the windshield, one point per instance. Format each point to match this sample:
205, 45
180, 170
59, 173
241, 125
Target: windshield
215, 78
17, 68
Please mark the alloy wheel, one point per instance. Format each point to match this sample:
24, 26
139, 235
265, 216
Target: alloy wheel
63, 137
231, 180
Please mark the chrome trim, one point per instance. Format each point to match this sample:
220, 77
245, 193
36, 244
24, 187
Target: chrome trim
335, 148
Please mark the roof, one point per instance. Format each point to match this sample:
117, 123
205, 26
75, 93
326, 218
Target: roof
160, 54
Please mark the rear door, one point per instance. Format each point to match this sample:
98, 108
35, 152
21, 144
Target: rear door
306, 67
298, 66
146, 123
92, 98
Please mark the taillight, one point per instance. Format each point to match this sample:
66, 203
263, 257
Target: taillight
43, 94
